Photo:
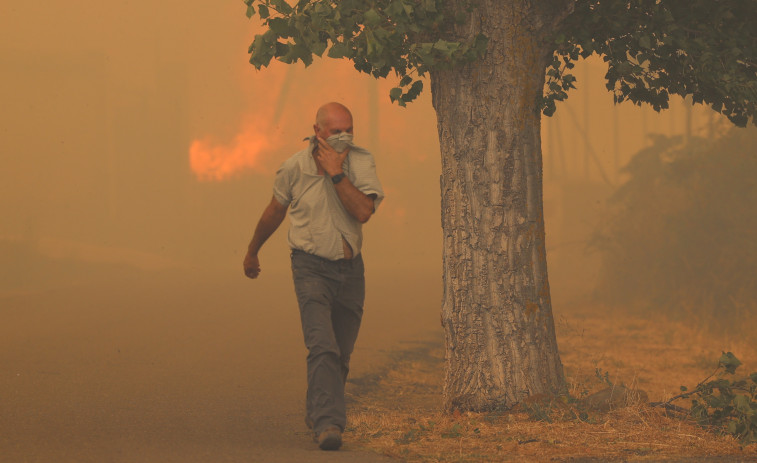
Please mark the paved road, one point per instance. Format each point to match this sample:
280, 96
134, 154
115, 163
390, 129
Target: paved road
166, 369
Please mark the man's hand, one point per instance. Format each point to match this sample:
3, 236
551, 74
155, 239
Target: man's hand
330, 159
251, 265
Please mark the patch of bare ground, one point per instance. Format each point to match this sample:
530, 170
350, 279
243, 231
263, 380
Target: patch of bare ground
397, 411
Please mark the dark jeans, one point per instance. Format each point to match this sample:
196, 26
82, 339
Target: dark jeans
330, 295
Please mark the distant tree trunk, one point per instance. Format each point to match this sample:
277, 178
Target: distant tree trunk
496, 310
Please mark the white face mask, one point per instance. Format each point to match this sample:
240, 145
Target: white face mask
340, 141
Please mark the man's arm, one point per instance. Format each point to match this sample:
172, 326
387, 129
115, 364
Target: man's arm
357, 203
272, 217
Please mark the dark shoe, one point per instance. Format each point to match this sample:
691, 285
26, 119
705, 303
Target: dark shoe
308, 422
330, 438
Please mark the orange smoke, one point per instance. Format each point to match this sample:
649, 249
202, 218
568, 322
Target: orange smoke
211, 161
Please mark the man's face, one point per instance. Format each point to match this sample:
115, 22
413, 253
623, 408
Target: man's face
335, 122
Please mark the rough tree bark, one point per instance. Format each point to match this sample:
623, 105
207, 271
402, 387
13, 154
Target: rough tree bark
496, 309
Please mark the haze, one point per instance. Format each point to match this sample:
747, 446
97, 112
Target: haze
122, 287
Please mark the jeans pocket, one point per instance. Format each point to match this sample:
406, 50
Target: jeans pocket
304, 264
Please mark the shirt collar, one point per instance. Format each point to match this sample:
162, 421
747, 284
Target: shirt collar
310, 167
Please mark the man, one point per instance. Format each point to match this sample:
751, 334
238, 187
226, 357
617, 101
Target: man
330, 189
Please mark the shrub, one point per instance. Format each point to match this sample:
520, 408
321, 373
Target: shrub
681, 233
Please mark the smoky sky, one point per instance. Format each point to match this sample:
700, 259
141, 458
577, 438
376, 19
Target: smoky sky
103, 104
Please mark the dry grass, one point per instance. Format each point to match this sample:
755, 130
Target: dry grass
397, 412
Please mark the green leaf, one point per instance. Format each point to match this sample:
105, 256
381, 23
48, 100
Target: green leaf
304, 54
729, 362
405, 81
318, 48
645, 42
416, 88
338, 50
549, 107
372, 45
742, 404
262, 49
282, 49
250, 10
414, 91
321, 9
297, 52
263, 11
395, 94
280, 26
371, 18
282, 6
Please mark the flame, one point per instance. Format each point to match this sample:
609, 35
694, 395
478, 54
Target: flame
211, 161
277, 97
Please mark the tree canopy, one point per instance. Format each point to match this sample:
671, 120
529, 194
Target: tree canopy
401, 36
705, 49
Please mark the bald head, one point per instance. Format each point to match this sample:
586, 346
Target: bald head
331, 119
330, 111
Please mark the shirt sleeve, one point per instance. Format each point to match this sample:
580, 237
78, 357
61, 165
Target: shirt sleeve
363, 175
282, 184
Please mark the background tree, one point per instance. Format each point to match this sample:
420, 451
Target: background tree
679, 234
494, 66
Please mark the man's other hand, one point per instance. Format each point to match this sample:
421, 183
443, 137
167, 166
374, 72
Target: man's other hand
330, 159
251, 266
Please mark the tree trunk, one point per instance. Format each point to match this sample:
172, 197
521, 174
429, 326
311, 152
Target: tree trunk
496, 310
